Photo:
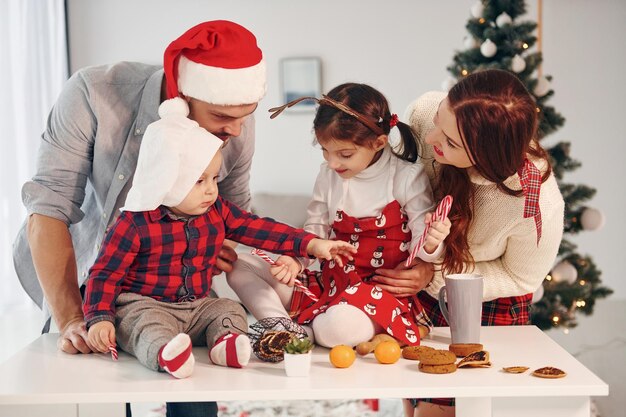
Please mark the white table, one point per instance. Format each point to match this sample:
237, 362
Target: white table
40, 374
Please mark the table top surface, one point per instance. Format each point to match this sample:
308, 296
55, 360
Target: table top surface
40, 374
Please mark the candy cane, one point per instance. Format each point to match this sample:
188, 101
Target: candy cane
297, 282
113, 352
442, 211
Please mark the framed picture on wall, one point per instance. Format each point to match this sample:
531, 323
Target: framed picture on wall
300, 77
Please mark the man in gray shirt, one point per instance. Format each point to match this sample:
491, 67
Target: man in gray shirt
89, 150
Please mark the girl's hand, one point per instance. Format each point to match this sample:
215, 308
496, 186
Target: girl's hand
331, 250
102, 335
438, 231
286, 270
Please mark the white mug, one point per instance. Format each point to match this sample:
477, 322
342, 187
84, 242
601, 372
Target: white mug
464, 293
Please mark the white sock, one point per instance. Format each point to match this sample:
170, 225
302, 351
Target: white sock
232, 350
343, 324
176, 357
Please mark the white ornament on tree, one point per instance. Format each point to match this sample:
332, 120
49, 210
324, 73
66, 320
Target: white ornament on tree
538, 294
518, 64
542, 88
488, 48
470, 42
592, 219
477, 9
448, 83
564, 272
503, 19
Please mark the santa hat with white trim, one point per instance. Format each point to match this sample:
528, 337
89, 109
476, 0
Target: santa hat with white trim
174, 153
217, 62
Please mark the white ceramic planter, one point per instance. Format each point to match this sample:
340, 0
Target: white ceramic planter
297, 364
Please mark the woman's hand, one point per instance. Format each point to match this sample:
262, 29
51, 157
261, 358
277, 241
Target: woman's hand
404, 282
102, 335
286, 269
331, 250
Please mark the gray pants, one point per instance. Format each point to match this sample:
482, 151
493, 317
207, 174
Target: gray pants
143, 324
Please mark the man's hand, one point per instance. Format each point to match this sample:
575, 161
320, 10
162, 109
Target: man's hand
404, 282
286, 270
73, 337
331, 250
102, 335
225, 260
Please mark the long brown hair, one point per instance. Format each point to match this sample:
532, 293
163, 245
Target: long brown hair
497, 119
330, 122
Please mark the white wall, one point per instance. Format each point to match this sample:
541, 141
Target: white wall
402, 48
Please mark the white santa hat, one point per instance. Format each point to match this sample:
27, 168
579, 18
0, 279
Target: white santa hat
217, 62
174, 153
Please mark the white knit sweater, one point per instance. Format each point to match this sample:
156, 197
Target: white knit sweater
502, 242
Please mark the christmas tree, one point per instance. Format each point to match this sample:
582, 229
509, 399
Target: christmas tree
498, 39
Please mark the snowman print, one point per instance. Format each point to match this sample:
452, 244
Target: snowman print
377, 292
381, 234
410, 335
380, 220
354, 240
404, 246
333, 288
338, 216
377, 258
349, 267
357, 228
370, 309
405, 227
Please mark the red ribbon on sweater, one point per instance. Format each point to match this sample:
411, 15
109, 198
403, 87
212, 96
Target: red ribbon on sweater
530, 179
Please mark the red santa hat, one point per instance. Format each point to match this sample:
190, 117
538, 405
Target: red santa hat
217, 62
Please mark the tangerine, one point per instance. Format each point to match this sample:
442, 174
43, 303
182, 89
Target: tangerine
342, 356
388, 352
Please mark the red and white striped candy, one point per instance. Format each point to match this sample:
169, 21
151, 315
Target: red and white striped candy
297, 282
113, 352
442, 211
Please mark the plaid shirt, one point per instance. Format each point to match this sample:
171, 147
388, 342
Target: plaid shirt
153, 254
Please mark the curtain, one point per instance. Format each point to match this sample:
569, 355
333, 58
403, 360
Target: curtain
34, 67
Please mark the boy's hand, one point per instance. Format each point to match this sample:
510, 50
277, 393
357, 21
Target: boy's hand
438, 231
286, 270
331, 250
102, 335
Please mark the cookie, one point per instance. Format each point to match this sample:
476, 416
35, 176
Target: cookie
414, 353
437, 369
478, 359
463, 349
515, 369
549, 372
437, 357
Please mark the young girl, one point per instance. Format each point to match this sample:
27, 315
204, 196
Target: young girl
507, 217
370, 195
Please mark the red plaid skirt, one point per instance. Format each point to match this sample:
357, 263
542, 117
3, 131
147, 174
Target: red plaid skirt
508, 311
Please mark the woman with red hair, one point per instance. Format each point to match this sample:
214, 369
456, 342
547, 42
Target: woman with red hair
481, 147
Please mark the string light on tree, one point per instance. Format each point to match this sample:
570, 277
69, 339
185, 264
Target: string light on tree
488, 48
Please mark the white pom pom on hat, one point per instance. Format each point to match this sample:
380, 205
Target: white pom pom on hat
174, 107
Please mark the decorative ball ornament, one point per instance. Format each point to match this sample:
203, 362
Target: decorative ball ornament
542, 88
592, 219
538, 294
564, 272
518, 64
503, 19
470, 42
448, 83
477, 9
488, 48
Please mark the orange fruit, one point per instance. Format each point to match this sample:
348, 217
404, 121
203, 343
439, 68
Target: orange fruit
388, 352
341, 356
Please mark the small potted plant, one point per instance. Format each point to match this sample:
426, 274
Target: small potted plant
298, 356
